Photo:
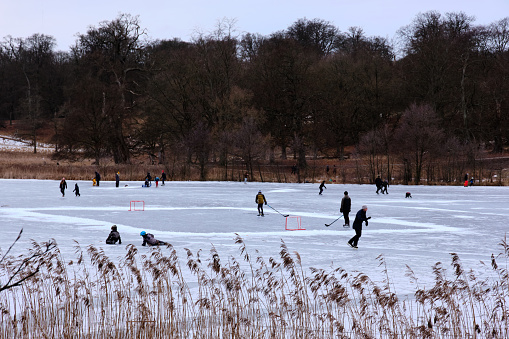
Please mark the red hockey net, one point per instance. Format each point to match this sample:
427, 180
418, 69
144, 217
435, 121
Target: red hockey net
137, 205
293, 223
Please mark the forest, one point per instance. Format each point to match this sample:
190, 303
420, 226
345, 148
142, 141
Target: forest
425, 107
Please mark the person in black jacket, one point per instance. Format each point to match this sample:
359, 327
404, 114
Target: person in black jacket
114, 236
163, 178
76, 190
322, 186
346, 207
63, 186
360, 217
117, 179
97, 178
378, 183
149, 239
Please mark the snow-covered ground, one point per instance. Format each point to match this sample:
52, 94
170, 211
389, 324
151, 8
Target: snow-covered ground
417, 232
8, 143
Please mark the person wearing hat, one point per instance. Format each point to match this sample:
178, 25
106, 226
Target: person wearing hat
360, 217
148, 238
117, 179
346, 207
114, 236
63, 186
260, 199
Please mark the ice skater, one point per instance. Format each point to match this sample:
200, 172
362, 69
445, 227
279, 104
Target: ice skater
114, 236
149, 239
346, 207
385, 184
260, 199
63, 186
76, 190
378, 183
97, 178
163, 178
322, 186
360, 217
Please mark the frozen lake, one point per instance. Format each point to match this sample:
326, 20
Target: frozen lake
417, 232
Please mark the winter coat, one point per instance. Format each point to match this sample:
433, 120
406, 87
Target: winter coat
360, 217
113, 237
63, 185
378, 182
260, 199
149, 239
346, 204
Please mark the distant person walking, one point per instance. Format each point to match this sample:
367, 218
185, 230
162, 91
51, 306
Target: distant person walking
385, 184
76, 190
322, 186
114, 236
117, 179
157, 181
378, 183
63, 186
360, 217
97, 178
260, 200
163, 178
346, 206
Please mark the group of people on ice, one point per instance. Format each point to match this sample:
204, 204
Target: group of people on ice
148, 238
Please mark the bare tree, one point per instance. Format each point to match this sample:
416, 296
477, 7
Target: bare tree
418, 137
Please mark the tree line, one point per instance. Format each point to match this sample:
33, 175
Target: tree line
438, 92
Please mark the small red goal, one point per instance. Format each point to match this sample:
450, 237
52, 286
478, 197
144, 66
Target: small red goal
293, 223
137, 205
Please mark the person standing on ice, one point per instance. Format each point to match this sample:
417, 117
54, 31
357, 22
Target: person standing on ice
378, 183
114, 236
148, 178
117, 179
346, 207
148, 238
360, 217
163, 178
76, 190
260, 200
97, 178
63, 186
322, 186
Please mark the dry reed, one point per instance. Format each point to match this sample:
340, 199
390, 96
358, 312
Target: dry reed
148, 296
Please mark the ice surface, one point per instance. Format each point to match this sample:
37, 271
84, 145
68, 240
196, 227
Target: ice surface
418, 231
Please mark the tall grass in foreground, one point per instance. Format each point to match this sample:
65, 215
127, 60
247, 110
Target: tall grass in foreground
147, 296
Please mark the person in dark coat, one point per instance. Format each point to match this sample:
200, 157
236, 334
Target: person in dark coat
63, 186
149, 178
114, 236
385, 184
360, 217
117, 179
97, 178
149, 239
322, 186
76, 190
378, 183
260, 199
346, 207
163, 178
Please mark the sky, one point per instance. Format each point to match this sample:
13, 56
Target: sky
183, 19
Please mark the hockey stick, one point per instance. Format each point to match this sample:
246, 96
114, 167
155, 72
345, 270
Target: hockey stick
284, 215
327, 225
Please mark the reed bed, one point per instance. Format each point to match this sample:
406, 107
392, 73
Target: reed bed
148, 296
